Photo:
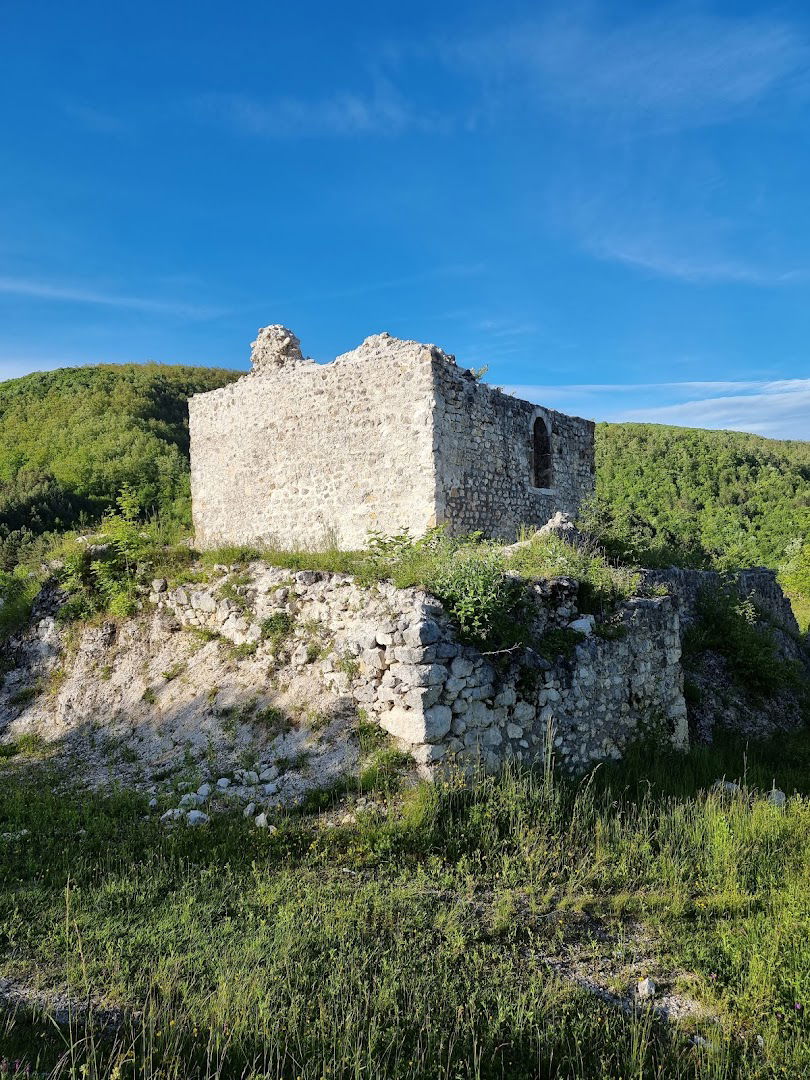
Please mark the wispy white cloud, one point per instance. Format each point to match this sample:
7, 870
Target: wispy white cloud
666, 255
636, 216
698, 386
41, 290
660, 206
381, 110
674, 68
779, 408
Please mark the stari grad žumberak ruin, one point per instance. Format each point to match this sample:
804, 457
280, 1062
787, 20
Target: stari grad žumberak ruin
280, 665
391, 436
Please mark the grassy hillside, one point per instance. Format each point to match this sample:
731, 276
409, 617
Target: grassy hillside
70, 440
684, 496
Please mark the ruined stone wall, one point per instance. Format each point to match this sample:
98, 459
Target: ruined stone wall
260, 665
308, 454
484, 458
388, 437
396, 655
757, 583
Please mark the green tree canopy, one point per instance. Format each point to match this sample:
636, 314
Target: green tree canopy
72, 439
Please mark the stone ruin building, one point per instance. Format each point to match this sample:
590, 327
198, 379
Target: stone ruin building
391, 436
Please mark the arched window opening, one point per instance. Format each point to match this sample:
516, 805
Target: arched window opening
541, 455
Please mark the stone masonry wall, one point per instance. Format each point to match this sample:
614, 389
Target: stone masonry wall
484, 458
395, 654
757, 583
391, 436
308, 454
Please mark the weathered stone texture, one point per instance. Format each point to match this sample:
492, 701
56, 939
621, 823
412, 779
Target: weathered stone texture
393, 653
391, 436
316, 454
396, 655
484, 458
275, 347
316, 644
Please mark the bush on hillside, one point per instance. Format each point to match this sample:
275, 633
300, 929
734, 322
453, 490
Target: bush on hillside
733, 627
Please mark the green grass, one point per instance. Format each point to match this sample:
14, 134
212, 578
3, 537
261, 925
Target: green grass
27, 744
273, 718
411, 945
276, 628
24, 696
383, 770
481, 584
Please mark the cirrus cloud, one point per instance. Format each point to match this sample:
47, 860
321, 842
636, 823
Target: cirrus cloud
778, 408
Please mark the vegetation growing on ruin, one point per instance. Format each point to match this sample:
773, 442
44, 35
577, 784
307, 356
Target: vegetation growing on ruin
103, 576
432, 941
481, 584
734, 628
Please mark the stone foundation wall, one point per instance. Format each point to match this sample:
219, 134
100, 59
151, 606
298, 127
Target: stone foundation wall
395, 654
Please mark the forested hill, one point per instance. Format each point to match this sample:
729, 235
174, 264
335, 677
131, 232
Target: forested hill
668, 495
71, 439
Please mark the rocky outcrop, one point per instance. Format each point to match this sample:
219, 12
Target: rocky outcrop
718, 699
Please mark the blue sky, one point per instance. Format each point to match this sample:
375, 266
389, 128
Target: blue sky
607, 203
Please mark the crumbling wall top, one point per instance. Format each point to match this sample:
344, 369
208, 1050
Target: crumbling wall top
380, 346
275, 348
